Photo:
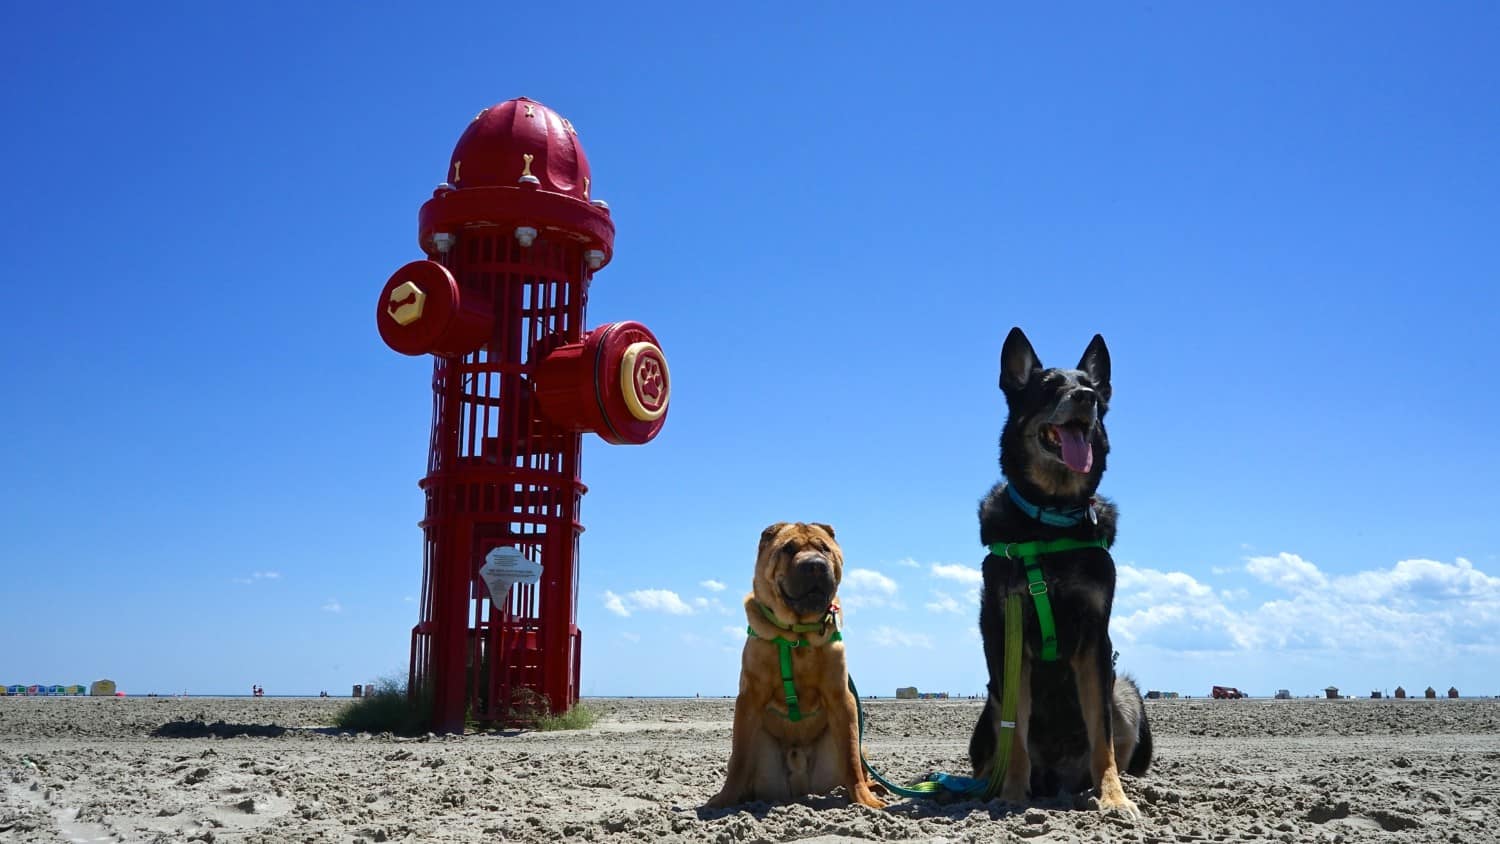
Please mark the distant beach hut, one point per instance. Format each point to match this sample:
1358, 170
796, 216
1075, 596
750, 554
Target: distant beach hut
1400, 693
906, 693
1453, 692
1332, 692
1283, 694
16, 690
35, 690
102, 688
1430, 694
1374, 695
359, 691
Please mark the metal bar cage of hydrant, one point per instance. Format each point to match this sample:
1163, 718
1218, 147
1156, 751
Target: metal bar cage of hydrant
513, 240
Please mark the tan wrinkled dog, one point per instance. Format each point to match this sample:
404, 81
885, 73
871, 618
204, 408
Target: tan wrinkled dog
784, 750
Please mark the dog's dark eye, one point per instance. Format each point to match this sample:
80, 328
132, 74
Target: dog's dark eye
789, 549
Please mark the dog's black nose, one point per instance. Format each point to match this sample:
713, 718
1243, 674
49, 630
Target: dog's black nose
812, 570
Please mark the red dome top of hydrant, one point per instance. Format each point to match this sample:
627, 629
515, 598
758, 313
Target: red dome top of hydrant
520, 164
511, 140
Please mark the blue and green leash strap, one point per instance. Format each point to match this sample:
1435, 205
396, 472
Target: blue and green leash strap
1010, 696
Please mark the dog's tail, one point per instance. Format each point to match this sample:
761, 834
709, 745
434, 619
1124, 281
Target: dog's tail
1130, 714
1140, 759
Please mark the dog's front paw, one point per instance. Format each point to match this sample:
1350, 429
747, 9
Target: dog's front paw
1119, 802
722, 800
865, 797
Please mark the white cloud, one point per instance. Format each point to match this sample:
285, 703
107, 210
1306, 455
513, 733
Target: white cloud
614, 604
867, 588
888, 637
1174, 610
1287, 571
909, 563
868, 579
333, 606
258, 576
942, 602
712, 585
659, 600
967, 575
646, 600
1413, 608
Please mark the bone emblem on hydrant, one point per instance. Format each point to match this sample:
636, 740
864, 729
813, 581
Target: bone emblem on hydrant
512, 242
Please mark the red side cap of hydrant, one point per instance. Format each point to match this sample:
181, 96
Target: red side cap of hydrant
519, 163
614, 383
422, 311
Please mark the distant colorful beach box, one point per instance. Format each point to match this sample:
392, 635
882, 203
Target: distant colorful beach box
41, 690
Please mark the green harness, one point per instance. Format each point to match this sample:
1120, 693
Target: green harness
1027, 553
1036, 585
784, 648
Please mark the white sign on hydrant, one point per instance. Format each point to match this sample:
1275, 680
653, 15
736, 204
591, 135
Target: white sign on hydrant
505, 566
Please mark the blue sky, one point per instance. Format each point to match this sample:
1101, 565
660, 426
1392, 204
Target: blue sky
1281, 217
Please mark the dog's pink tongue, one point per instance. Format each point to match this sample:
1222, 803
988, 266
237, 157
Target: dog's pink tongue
1077, 452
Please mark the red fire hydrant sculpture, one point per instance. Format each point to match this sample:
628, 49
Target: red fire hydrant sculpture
513, 239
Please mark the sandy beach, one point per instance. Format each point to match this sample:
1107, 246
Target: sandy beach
272, 770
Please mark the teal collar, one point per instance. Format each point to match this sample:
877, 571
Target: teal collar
1052, 515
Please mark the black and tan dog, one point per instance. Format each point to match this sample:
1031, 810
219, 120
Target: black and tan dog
1076, 723
796, 727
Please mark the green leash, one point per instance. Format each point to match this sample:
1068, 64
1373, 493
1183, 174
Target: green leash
1036, 585
784, 651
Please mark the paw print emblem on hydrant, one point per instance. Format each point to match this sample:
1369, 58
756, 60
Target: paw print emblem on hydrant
645, 381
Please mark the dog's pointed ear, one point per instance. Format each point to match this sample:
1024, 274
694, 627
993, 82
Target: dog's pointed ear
770, 533
1018, 361
1095, 364
826, 528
